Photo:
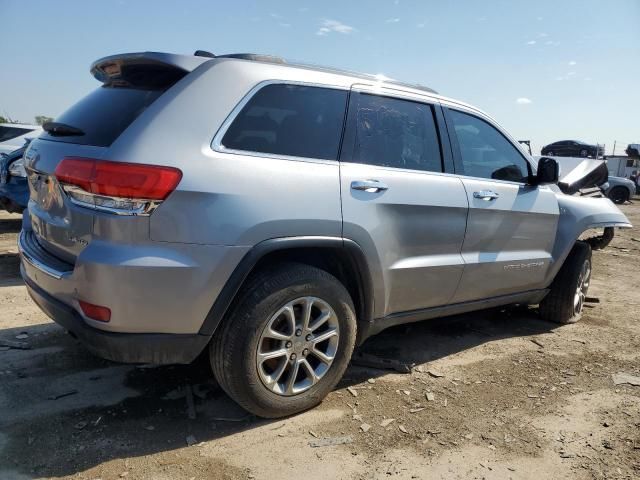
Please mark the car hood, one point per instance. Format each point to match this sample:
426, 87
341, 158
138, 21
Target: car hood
620, 181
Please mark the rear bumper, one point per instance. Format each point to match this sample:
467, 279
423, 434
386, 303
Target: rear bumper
156, 348
159, 294
150, 288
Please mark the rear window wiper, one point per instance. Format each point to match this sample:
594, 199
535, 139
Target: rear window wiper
61, 129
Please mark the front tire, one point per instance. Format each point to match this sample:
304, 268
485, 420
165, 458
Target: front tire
564, 303
287, 341
619, 195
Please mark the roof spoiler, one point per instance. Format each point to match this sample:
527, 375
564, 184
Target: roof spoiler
136, 69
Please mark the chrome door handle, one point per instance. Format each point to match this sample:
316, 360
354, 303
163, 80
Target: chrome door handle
371, 186
486, 195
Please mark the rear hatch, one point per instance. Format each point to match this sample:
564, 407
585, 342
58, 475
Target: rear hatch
130, 84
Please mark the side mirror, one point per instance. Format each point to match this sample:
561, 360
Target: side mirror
548, 171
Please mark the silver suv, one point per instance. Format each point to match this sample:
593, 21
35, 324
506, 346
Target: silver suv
279, 214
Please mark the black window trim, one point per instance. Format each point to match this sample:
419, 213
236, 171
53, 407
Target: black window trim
23, 131
457, 154
446, 156
217, 146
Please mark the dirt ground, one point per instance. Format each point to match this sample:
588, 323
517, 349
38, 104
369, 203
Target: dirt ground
497, 394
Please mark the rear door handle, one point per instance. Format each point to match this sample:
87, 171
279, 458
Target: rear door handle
486, 195
371, 186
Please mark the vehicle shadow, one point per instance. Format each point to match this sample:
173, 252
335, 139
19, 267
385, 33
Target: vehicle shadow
10, 225
73, 411
10, 270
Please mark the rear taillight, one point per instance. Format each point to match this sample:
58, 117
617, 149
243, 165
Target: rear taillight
116, 187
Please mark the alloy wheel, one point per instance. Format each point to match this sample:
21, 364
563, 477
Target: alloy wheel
297, 346
583, 286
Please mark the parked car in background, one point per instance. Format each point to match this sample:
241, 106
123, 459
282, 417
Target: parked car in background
572, 148
286, 219
619, 189
13, 135
14, 191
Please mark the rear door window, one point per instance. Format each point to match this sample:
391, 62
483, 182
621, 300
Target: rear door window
290, 120
7, 133
391, 132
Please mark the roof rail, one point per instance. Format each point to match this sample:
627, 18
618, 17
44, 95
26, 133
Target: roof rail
256, 57
279, 60
415, 86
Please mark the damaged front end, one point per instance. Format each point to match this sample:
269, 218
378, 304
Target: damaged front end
586, 177
582, 176
599, 242
585, 212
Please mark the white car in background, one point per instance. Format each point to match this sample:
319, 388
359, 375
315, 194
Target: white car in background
13, 135
619, 189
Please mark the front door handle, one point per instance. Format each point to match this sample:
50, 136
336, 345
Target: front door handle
486, 195
370, 186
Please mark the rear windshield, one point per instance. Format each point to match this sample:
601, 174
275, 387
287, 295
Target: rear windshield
7, 133
104, 114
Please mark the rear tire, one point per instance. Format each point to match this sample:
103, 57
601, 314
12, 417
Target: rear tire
564, 303
619, 195
267, 316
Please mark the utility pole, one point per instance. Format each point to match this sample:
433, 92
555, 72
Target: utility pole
614, 148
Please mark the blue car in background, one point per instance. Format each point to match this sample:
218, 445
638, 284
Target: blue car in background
14, 191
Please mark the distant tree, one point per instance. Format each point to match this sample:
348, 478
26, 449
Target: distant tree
42, 119
3, 120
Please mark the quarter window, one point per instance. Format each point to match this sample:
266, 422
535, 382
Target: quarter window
292, 120
486, 153
390, 132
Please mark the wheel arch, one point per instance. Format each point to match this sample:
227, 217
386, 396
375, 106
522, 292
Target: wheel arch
343, 258
577, 215
632, 190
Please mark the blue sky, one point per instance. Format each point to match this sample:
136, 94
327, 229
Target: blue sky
545, 69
